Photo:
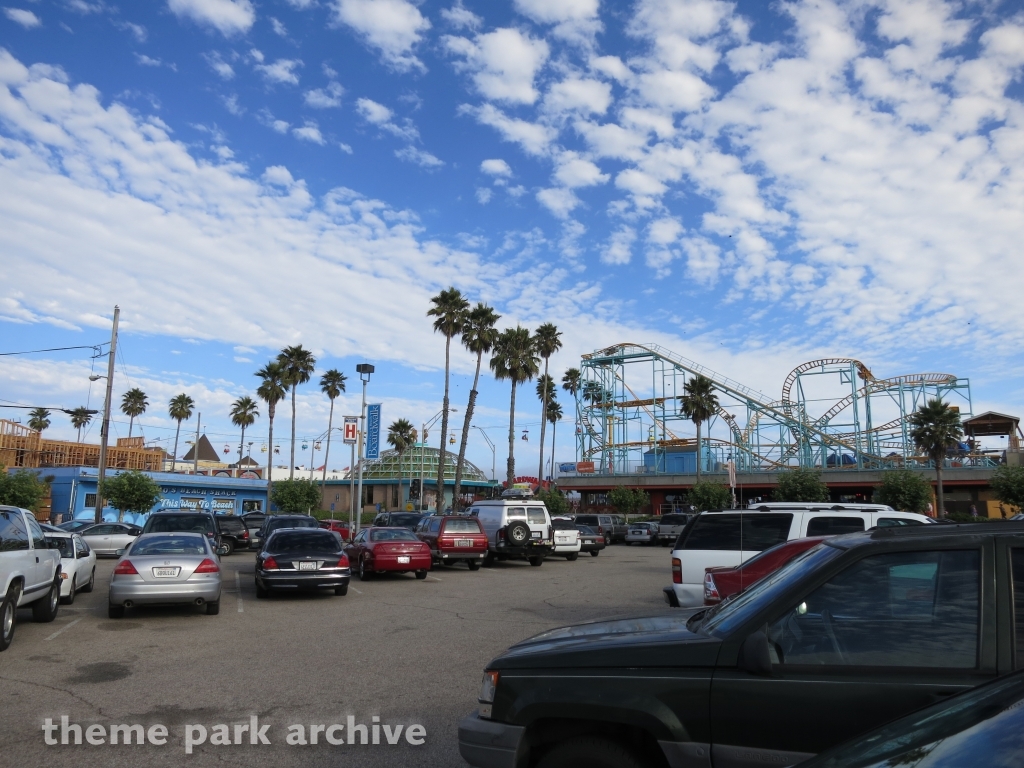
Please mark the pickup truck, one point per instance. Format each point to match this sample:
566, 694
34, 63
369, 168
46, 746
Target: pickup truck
860, 630
670, 525
29, 571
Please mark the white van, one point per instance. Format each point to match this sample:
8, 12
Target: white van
516, 526
728, 537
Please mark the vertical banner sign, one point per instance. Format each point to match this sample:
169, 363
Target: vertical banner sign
351, 430
373, 431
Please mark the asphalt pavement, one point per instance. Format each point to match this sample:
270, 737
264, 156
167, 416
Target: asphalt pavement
405, 651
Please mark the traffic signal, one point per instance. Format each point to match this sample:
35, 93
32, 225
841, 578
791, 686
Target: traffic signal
414, 490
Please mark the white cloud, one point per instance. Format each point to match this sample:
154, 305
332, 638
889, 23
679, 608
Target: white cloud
394, 27
224, 70
574, 20
25, 18
345, 148
281, 126
664, 231
382, 117
229, 17
301, 5
502, 63
483, 195
612, 66
461, 17
703, 260
496, 167
325, 98
534, 138
309, 132
558, 200
574, 171
419, 157
281, 71
232, 105
674, 91
587, 97
136, 30
619, 248
147, 61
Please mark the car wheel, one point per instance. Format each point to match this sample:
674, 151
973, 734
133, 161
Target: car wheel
572, 557
115, 611
44, 609
595, 552
261, 592
489, 559
92, 581
341, 591
536, 561
213, 608
230, 545
71, 595
364, 574
421, 575
473, 565
8, 613
589, 753
517, 533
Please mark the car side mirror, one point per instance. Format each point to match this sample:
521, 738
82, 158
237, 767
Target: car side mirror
119, 552
755, 655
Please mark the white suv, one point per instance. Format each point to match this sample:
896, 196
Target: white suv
566, 538
29, 571
728, 537
517, 526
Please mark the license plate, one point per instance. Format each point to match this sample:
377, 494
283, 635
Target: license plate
165, 573
535, 534
403, 558
311, 566
463, 542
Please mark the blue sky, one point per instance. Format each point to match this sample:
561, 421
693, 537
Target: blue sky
750, 184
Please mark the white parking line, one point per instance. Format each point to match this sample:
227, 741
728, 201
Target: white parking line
435, 578
66, 627
355, 590
238, 590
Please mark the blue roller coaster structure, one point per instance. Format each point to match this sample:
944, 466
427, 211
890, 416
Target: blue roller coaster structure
834, 413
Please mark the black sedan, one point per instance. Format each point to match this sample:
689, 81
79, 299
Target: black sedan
590, 540
302, 558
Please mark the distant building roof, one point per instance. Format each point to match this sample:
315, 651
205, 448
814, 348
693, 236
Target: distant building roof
417, 460
991, 423
206, 451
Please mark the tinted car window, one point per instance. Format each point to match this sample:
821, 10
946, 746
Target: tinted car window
169, 545
174, 523
290, 522
536, 516
586, 529
295, 541
1017, 563
864, 615
230, 524
36, 534
13, 535
834, 526
81, 548
392, 535
587, 519
435, 526
404, 520
516, 513
722, 532
562, 525
462, 525
64, 545
673, 520
891, 522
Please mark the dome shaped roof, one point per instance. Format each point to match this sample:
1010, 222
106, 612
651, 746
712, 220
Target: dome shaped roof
419, 460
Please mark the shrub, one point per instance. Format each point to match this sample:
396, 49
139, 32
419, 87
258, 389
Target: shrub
555, 502
296, 497
709, 495
904, 489
802, 485
628, 501
21, 489
130, 491
1008, 484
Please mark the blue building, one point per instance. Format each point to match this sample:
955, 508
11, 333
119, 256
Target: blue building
73, 494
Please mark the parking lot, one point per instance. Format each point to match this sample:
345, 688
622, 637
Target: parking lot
408, 651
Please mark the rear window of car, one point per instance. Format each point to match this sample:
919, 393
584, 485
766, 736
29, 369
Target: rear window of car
586, 519
172, 523
169, 545
562, 525
516, 513
723, 532
464, 525
230, 524
405, 519
293, 522
536, 516
673, 520
392, 535
304, 541
63, 544
586, 530
834, 526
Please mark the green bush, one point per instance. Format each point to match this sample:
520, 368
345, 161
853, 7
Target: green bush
555, 502
709, 495
21, 489
628, 501
130, 491
905, 490
802, 485
963, 517
296, 497
1008, 484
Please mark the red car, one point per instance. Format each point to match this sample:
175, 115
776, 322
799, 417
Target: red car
376, 550
453, 539
720, 583
338, 527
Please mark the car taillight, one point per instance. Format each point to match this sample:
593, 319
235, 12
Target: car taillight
677, 571
245, 534
600, 530
600, 539
125, 568
343, 562
208, 566
711, 590
270, 564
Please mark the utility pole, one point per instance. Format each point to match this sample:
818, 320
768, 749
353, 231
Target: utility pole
105, 430
195, 448
351, 490
364, 370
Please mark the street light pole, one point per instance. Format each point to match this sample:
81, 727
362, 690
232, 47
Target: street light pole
492, 450
423, 447
364, 370
105, 430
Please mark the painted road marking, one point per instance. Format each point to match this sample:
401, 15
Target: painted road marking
355, 590
238, 590
66, 627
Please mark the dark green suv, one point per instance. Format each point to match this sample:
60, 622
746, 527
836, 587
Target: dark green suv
858, 631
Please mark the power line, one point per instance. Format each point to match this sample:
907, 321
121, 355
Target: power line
52, 349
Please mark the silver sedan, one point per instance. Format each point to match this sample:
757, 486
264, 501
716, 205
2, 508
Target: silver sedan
166, 569
642, 533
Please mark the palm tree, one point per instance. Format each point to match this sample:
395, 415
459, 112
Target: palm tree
243, 414
400, 436
180, 409
554, 414
133, 405
271, 391
478, 336
332, 384
38, 419
935, 427
514, 359
699, 403
548, 340
449, 311
571, 382
80, 417
298, 364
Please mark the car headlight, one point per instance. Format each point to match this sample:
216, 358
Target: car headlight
488, 687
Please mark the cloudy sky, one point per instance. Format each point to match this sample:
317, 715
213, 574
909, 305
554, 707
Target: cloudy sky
749, 184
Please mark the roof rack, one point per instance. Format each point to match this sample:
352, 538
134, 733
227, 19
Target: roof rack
517, 493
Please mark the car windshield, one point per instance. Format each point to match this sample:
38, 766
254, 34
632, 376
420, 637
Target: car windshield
722, 619
405, 520
63, 544
586, 529
389, 534
169, 545
462, 525
172, 523
285, 542
294, 522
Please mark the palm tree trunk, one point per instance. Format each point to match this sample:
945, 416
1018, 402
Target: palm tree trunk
80, 433
330, 426
939, 495
240, 444
554, 430
174, 458
510, 471
444, 426
291, 464
698, 452
465, 429
543, 422
270, 455
131, 423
